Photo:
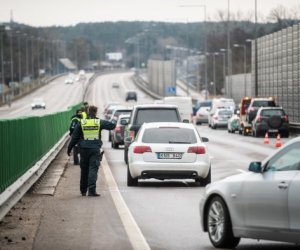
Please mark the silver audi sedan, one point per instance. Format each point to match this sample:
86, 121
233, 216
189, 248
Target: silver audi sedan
263, 203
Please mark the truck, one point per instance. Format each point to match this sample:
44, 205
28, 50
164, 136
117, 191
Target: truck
245, 126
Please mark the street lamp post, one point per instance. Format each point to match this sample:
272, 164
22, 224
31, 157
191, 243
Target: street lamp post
223, 51
205, 43
214, 72
2, 57
245, 65
32, 57
19, 57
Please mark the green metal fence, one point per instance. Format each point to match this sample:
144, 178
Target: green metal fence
24, 141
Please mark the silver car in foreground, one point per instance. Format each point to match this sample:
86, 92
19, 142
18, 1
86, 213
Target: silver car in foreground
263, 203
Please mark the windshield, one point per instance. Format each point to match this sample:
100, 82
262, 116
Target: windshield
156, 115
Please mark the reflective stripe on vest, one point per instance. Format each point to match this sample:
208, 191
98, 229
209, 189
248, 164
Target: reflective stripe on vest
90, 128
75, 119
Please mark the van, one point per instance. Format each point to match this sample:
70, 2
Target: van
185, 106
226, 103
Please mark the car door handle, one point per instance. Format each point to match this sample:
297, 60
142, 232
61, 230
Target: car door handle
282, 185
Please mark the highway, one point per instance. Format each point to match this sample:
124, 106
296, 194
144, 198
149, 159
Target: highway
166, 213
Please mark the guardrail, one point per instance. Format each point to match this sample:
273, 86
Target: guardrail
139, 81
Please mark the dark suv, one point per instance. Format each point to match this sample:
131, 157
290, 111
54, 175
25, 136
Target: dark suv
148, 113
255, 104
272, 120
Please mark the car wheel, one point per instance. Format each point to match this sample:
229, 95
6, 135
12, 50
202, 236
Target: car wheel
205, 181
131, 181
126, 155
116, 145
219, 225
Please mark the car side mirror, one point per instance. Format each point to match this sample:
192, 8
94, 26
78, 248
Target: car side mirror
255, 167
128, 140
123, 122
186, 121
204, 139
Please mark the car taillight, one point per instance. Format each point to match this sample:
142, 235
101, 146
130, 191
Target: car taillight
215, 117
196, 150
141, 149
286, 118
131, 135
118, 129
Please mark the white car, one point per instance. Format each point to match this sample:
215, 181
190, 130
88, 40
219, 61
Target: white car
38, 103
202, 115
263, 203
168, 150
115, 85
219, 118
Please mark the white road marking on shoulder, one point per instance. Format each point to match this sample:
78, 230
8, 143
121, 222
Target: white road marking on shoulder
133, 231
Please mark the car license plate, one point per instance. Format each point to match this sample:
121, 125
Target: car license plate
273, 130
169, 155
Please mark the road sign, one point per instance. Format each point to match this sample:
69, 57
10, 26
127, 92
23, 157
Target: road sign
171, 90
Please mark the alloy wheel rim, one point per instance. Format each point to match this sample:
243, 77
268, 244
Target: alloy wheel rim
216, 221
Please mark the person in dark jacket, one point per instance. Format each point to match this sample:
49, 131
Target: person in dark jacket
88, 135
75, 120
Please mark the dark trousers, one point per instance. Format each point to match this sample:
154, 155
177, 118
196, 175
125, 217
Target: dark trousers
76, 155
89, 164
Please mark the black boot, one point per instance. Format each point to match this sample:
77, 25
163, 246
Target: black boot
92, 192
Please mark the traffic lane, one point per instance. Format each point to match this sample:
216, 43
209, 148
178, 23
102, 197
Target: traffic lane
168, 211
57, 95
101, 91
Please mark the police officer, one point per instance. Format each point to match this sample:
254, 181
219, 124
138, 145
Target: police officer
85, 110
75, 120
88, 134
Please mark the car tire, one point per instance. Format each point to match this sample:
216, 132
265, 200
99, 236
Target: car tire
126, 155
205, 181
219, 224
285, 134
131, 181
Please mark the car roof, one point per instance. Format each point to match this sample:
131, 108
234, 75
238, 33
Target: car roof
124, 116
161, 105
168, 124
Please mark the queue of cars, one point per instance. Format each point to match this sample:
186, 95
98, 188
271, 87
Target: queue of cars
254, 116
159, 143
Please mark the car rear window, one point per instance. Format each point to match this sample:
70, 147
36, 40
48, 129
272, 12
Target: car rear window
169, 135
156, 115
272, 112
265, 103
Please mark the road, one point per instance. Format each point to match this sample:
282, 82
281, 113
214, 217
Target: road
166, 213
57, 95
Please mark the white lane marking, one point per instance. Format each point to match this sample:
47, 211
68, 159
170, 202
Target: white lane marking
133, 231
241, 170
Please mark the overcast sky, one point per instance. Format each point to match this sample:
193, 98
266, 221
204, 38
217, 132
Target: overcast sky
71, 12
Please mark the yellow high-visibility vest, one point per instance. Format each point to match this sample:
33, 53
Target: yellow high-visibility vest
90, 128
84, 115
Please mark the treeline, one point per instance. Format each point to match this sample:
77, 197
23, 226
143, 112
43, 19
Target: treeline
31, 50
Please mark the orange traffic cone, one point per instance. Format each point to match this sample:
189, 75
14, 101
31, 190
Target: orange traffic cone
278, 143
266, 140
